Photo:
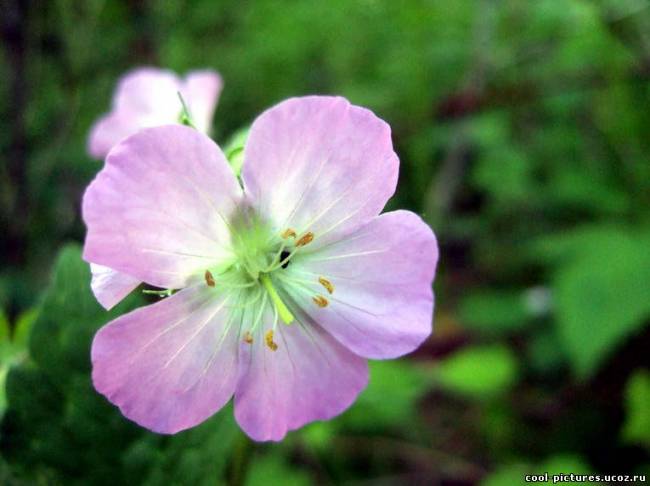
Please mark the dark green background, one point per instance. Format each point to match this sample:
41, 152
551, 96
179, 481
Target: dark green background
523, 129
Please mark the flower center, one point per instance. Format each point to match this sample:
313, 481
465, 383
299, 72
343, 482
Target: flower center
254, 278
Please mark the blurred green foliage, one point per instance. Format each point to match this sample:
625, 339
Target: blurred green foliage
479, 372
522, 130
637, 396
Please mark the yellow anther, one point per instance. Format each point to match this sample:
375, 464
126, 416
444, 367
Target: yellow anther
269, 340
288, 233
327, 284
248, 338
305, 239
209, 279
320, 301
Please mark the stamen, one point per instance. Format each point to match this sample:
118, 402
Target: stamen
305, 239
327, 284
209, 279
248, 338
320, 301
269, 341
288, 233
283, 311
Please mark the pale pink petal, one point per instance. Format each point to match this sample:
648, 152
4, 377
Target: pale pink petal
382, 302
111, 129
150, 92
319, 164
201, 91
109, 286
170, 365
159, 210
309, 377
144, 97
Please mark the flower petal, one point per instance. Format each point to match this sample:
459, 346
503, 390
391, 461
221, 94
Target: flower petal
109, 286
170, 365
144, 97
319, 164
110, 130
159, 209
201, 90
150, 92
309, 377
382, 301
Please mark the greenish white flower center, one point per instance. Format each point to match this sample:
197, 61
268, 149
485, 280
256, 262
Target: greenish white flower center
255, 273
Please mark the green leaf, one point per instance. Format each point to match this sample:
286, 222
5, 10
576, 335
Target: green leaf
23, 328
69, 317
602, 295
505, 173
563, 464
5, 329
318, 435
636, 429
273, 469
478, 372
555, 465
234, 149
4, 370
12, 350
198, 456
506, 475
495, 312
544, 351
399, 380
61, 426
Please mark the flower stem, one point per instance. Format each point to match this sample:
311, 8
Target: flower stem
283, 311
186, 118
159, 293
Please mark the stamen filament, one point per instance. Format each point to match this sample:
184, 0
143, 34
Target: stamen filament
258, 318
283, 311
276, 258
284, 260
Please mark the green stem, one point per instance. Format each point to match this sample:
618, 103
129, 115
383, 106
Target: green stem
160, 293
283, 311
186, 118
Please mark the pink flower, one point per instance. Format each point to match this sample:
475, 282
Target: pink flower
147, 97
288, 282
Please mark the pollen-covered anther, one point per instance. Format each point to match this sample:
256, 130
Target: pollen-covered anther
269, 340
248, 337
209, 279
320, 301
288, 233
327, 284
305, 239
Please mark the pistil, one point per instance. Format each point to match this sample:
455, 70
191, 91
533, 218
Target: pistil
280, 306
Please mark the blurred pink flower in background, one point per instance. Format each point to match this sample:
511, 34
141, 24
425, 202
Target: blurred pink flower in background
148, 97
